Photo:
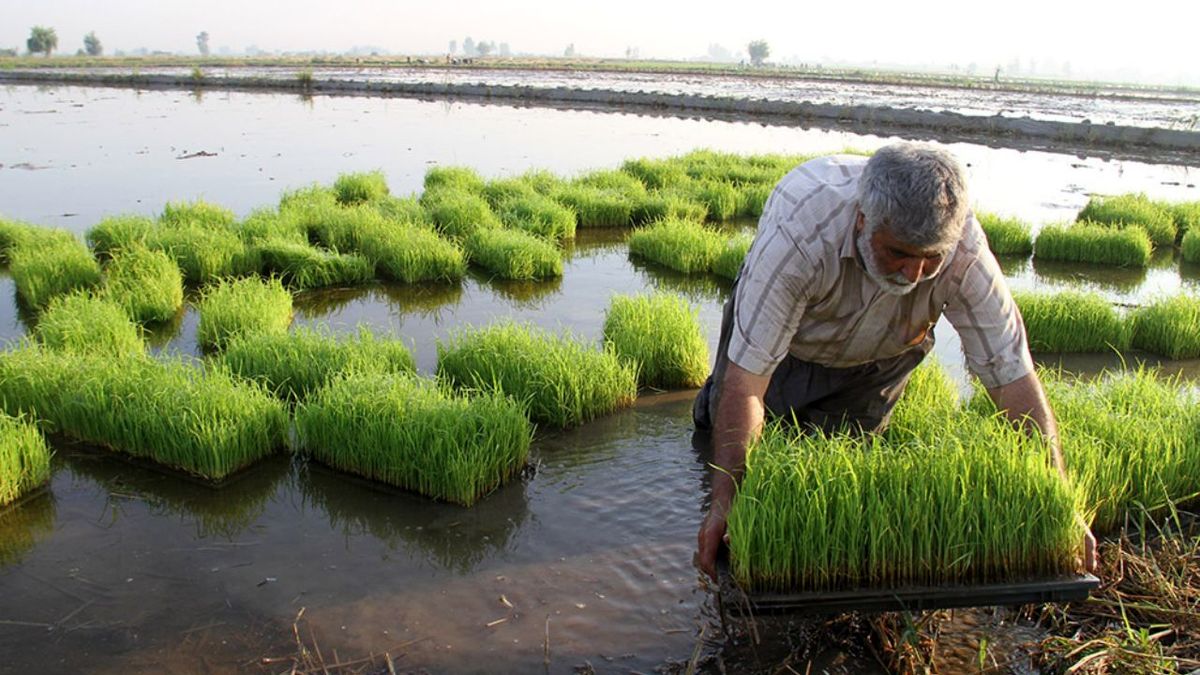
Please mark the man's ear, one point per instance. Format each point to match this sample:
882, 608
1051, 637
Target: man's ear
860, 222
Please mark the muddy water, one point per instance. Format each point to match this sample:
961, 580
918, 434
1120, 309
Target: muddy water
122, 569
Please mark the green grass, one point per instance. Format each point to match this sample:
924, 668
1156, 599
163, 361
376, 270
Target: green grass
1006, 236
458, 213
270, 225
114, 233
411, 255
979, 505
402, 210
357, 188
661, 335
537, 214
12, 235
295, 365
338, 228
928, 408
1132, 210
1083, 242
729, 261
561, 381
512, 254
655, 174
301, 266
613, 180
664, 204
413, 434
1185, 214
1169, 327
455, 178
681, 245
1190, 247
204, 254
596, 207
146, 284
86, 324
24, 459
203, 422
46, 266
504, 189
1072, 321
197, 212
242, 307
753, 197
722, 200
545, 182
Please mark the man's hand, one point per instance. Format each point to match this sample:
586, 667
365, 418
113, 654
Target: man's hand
712, 536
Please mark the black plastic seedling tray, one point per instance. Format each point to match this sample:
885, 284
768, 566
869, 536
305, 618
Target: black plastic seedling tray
914, 598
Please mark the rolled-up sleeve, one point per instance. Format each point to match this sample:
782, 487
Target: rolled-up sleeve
771, 296
990, 325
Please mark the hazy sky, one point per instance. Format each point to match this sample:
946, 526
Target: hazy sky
1153, 38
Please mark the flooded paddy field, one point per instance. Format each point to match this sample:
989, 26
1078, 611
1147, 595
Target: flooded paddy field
583, 561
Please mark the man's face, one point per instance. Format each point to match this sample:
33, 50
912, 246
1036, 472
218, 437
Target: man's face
896, 266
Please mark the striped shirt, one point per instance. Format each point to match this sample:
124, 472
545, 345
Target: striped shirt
804, 290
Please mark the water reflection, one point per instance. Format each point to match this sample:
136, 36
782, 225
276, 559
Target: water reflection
225, 512
159, 335
1125, 280
697, 288
1011, 265
590, 241
448, 536
425, 300
525, 294
25, 523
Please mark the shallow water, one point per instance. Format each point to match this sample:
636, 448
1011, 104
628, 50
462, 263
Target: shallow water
122, 569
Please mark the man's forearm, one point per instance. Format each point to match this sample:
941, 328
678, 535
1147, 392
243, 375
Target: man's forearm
1024, 402
739, 420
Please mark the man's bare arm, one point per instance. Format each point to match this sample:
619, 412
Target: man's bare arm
739, 419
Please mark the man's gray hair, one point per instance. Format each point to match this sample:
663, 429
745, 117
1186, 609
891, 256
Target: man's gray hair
918, 193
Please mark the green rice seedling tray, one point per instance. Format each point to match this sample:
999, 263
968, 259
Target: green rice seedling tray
1070, 588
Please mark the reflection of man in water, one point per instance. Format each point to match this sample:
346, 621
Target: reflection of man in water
854, 262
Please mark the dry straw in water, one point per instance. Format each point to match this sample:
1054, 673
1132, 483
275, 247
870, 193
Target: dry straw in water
683, 246
1085, 242
24, 460
561, 381
413, 434
512, 254
86, 324
1072, 321
661, 334
1169, 327
242, 307
146, 284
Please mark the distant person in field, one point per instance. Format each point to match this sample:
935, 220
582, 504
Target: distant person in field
854, 262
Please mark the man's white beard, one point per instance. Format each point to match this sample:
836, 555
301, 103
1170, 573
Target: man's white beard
892, 284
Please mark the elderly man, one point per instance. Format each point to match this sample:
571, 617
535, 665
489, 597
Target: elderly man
854, 262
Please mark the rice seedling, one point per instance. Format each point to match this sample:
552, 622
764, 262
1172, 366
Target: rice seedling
204, 422
453, 177
561, 381
301, 266
1169, 327
545, 182
411, 255
294, 365
537, 214
928, 408
84, 323
656, 174
512, 254
1006, 236
721, 199
1132, 210
752, 197
817, 512
204, 254
340, 228
233, 307
729, 261
12, 234
199, 212
114, 233
661, 335
683, 246
1084, 242
24, 459
504, 189
1190, 246
1072, 321
146, 284
268, 224
457, 213
1185, 214
413, 434
312, 196
407, 210
596, 207
613, 181
357, 188
662, 204
53, 266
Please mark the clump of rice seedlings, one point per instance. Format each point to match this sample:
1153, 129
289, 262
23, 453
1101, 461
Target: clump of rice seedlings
1190, 247
561, 381
661, 334
269, 224
729, 261
512, 254
50, 267
340, 228
1185, 214
84, 323
928, 408
312, 196
12, 234
1072, 321
357, 188
204, 254
1169, 327
721, 199
538, 214
24, 459
663, 204
504, 189
233, 307
411, 255
1006, 236
455, 178
294, 365
980, 505
413, 434
402, 210
146, 284
655, 174
301, 266
198, 212
1084, 242
597, 207
1130, 210
683, 246
545, 182
457, 213
752, 197
615, 181
118, 232
203, 422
